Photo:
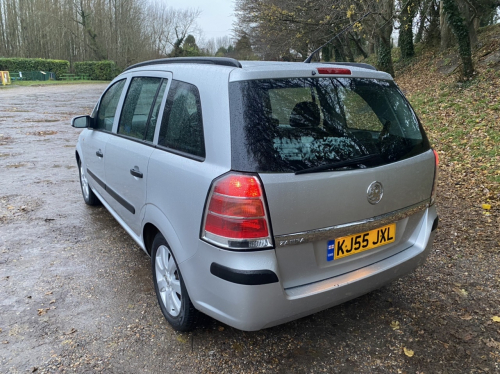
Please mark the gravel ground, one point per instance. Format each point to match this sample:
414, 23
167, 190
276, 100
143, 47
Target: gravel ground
76, 293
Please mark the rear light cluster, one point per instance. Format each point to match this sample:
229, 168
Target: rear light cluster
235, 214
434, 185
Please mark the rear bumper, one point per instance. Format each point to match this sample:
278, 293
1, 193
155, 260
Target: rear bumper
266, 304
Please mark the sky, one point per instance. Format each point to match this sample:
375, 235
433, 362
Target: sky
216, 19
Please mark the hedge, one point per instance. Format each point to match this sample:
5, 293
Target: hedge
96, 70
35, 64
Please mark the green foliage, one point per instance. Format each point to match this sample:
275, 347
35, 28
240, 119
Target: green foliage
190, 48
35, 64
221, 52
96, 70
243, 49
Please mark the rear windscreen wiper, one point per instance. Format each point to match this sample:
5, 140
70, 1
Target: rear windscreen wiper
338, 164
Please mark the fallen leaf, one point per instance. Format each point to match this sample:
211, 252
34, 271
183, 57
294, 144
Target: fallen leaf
395, 325
486, 206
467, 317
52, 301
221, 328
461, 292
41, 312
182, 339
492, 343
495, 319
49, 293
408, 352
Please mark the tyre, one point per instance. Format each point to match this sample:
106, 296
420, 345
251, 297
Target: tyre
88, 195
170, 289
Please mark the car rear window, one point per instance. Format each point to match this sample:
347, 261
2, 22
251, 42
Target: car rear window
289, 125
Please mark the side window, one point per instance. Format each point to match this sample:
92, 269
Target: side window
138, 107
182, 127
156, 110
107, 107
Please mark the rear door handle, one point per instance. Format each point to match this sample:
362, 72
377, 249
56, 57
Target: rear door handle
136, 173
99, 153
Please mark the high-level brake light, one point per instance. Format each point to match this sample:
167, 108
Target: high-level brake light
338, 71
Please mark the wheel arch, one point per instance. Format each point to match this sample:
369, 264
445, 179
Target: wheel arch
148, 233
155, 221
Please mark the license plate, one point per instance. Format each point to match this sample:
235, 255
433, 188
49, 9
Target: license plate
352, 244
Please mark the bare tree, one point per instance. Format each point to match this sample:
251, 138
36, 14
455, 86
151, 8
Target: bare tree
125, 31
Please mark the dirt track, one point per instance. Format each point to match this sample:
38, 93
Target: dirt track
76, 293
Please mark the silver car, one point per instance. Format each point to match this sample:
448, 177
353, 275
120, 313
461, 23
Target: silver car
263, 191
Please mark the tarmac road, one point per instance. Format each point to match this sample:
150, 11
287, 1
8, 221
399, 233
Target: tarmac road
76, 293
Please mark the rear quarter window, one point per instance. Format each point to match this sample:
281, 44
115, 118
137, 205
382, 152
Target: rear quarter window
182, 126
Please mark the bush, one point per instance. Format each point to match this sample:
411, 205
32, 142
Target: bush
96, 70
35, 64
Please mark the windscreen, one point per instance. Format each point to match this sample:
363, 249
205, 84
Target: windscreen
292, 125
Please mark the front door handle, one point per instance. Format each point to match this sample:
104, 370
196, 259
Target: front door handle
136, 173
99, 153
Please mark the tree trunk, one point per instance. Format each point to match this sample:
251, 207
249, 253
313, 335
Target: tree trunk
358, 45
384, 57
339, 56
432, 36
461, 32
447, 39
469, 14
406, 30
347, 48
421, 26
327, 53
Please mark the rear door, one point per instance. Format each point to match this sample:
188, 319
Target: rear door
337, 157
94, 143
128, 151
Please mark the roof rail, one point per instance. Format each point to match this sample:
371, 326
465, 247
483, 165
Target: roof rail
357, 64
225, 61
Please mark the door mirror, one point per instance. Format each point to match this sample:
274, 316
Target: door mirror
81, 122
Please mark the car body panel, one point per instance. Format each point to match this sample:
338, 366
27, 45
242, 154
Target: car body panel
94, 142
257, 307
128, 191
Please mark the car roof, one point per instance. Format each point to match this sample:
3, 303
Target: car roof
279, 69
250, 70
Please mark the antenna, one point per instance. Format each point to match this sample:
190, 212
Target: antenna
308, 60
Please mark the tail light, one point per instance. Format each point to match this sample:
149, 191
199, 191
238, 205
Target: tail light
235, 213
434, 186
